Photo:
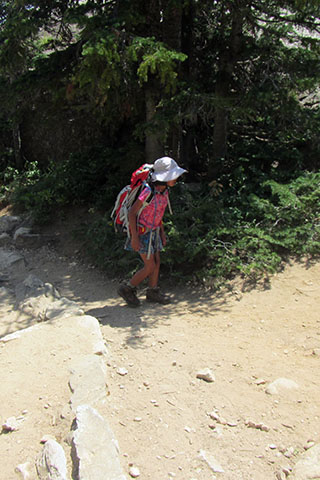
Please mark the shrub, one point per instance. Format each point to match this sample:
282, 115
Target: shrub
214, 235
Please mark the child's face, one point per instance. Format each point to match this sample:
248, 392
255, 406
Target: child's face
172, 183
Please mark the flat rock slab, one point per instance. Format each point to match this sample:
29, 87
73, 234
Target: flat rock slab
95, 449
51, 463
35, 368
308, 467
88, 382
12, 262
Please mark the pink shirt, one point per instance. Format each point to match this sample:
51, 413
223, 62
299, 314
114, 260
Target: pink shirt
151, 215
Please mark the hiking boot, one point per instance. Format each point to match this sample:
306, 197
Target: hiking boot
129, 294
154, 295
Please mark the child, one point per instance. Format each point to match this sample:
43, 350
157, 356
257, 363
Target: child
147, 232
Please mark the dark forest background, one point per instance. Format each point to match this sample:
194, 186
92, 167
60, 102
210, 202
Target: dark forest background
90, 90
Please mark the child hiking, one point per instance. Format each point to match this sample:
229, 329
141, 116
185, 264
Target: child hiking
147, 236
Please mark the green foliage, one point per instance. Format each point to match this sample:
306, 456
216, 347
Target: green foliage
249, 233
215, 233
156, 59
77, 180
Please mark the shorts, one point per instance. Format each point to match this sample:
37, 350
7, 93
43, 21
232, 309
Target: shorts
145, 246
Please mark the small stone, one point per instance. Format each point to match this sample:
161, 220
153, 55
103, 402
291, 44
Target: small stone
258, 426
309, 444
122, 371
206, 375
232, 424
23, 468
272, 446
289, 452
287, 471
215, 416
11, 425
281, 384
210, 461
138, 419
260, 381
134, 472
281, 475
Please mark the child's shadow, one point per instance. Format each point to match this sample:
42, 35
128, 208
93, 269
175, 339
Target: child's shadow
116, 317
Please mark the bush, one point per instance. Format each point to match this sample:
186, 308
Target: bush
216, 234
248, 233
79, 179
247, 222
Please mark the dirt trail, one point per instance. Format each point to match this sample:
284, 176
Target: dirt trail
159, 409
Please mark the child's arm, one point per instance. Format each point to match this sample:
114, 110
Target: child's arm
132, 215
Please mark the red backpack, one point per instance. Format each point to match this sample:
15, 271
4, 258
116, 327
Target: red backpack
128, 195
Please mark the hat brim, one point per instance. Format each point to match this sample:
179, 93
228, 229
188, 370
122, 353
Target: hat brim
168, 176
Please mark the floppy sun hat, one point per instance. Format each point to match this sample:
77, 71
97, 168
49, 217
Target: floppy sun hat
166, 169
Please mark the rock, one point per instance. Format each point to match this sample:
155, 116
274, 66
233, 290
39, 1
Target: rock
5, 240
210, 461
51, 463
33, 240
23, 469
280, 475
18, 334
258, 426
122, 371
95, 450
11, 262
215, 416
206, 375
309, 444
8, 223
289, 452
6, 295
260, 381
20, 232
88, 382
281, 384
62, 308
134, 472
11, 424
94, 332
32, 287
308, 467
35, 297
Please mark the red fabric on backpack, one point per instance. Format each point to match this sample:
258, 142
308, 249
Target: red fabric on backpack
140, 175
138, 179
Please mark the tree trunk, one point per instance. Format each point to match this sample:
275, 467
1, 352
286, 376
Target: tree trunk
17, 146
228, 59
153, 145
172, 25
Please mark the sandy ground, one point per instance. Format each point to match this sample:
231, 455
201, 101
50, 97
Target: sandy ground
159, 410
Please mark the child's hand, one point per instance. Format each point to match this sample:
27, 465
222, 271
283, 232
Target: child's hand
135, 243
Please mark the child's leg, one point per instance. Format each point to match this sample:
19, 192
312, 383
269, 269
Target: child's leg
154, 276
150, 269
